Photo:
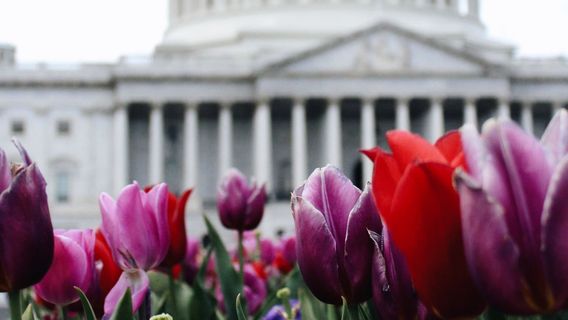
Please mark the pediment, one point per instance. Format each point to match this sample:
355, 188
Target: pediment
382, 50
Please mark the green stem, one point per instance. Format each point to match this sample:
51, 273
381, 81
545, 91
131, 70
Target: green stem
172, 288
241, 259
15, 305
62, 312
353, 310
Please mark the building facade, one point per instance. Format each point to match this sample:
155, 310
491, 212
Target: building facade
275, 88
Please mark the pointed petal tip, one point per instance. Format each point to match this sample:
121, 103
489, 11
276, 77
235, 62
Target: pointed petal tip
23, 152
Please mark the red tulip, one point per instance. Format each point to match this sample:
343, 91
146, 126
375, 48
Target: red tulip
413, 190
176, 224
109, 270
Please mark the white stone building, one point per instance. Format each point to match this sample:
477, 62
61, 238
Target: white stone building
272, 87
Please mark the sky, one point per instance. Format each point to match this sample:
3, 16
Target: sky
67, 31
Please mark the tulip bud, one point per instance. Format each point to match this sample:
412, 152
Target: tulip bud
240, 205
26, 245
254, 289
333, 248
73, 266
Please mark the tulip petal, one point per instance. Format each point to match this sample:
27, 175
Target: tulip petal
450, 146
23, 153
555, 241
26, 233
555, 137
386, 175
156, 210
333, 195
70, 268
408, 148
232, 196
5, 173
135, 225
316, 250
358, 246
525, 167
139, 284
393, 294
176, 221
255, 208
490, 250
426, 227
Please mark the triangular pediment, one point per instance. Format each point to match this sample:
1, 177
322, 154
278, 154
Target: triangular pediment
381, 50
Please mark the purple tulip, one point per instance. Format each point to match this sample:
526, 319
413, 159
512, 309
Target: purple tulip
266, 251
240, 205
277, 312
514, 205
73, 266
393, 294
333, 247
26, 245
191, 260
254, 289
136, 229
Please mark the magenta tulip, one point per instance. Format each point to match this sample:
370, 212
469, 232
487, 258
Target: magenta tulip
26, 243
514, 204
136, 229
333, 247
73, 266
254, 289
240, 205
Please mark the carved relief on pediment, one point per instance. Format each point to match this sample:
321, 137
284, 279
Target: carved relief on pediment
382, 53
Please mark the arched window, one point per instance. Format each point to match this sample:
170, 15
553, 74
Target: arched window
62, 186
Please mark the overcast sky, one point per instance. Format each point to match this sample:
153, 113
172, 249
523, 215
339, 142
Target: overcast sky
103, 30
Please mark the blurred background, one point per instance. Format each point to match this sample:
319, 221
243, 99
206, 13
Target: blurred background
105, 92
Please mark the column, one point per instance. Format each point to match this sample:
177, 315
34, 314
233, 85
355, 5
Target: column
174, 9
120, 147
299, 143
225, 130
527, 117
190, 145
436, 123
156, 148
420, 3
262, 139
333, 136
470, 112
503, 109
441, 4
473, 8
368, 137
402, 114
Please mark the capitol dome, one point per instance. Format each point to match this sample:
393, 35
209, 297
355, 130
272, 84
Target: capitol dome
257, 32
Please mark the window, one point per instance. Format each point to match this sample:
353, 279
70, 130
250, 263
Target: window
62, 187
63, 127
18, 127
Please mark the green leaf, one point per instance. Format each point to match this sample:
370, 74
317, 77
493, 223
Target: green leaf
28, 313
159, 282
123, 309
310, 307
269, 302
241, 314
87, 308
231, 284
202, 303
182, 295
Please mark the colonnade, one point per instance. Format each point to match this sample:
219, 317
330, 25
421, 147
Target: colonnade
262, 134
